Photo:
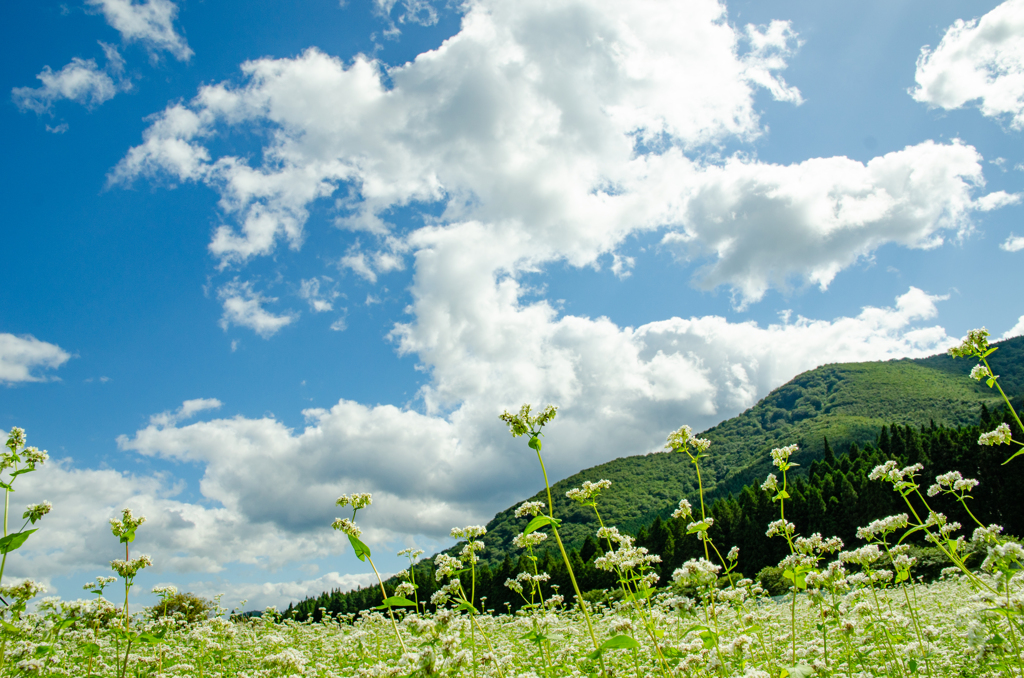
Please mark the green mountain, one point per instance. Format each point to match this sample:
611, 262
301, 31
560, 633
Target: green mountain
847, 402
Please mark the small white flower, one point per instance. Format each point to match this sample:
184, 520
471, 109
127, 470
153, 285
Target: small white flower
1000, 436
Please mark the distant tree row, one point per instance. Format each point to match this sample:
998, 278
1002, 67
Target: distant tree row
835, 497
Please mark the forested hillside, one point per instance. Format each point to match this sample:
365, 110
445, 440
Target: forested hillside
924, 410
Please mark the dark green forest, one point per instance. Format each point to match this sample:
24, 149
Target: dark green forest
833, 496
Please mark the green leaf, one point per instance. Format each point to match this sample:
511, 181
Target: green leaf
361, 550
539, 522
988, 353
90, 649
535, 443
42, 650
12, 542
708, 638
20, 471
671, 652
798, 671
781, 495
10, 628
912, 663
616, 643
152, 638
395, 601
910, 532
466, 606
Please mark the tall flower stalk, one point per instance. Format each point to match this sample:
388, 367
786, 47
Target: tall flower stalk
348, 526
526, 424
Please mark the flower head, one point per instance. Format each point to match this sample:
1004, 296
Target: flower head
124, 529
974, 344
1000, 436
357, 501
523, 423
530, 508
980, 372
684, 510
347, 526
34, 512
587, 494
129, 568
781, 455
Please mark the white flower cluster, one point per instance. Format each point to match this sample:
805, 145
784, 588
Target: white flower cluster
445, 566
530, 508
952, 481
469, 532
588, 493
781, 455
347, 526
128, 523
889, 471
1000, 436
696, 572
980, 372
780, 527
882, 527
684, 510
405, 589
682, 438
526, 541
357, 501
129, 568
770, 484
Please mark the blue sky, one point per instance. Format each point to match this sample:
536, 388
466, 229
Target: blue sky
263, 254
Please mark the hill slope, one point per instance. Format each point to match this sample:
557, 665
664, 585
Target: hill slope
848, 402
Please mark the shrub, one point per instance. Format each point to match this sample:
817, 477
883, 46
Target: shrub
191, 607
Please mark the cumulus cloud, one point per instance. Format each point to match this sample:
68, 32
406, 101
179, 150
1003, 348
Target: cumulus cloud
980, 60
81, 81
150, 22
21, 356
758, 225
1016, 330
577, 142
1014, 243
620, 391
244, 306
485, 123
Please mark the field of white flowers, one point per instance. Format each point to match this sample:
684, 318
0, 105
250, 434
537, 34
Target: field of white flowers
854, 612
871, 634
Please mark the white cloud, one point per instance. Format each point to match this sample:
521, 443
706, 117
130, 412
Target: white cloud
758, 225
570, 145
319, 301
486, 123
1014, 243
188, 409
1015, 331
620, 391
244, 306
21, 356
259, 595
978, 60
150, 22
81, 81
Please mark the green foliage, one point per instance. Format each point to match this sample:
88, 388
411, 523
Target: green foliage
188, 606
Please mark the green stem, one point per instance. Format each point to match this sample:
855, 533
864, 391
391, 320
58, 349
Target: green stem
391, 612
572, 577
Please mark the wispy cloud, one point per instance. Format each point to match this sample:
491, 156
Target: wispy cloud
244, 306
150, 22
